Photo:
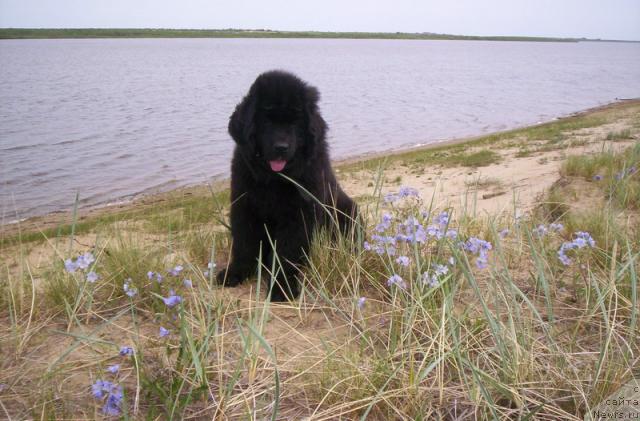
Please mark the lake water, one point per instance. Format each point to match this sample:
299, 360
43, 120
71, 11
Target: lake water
112, 118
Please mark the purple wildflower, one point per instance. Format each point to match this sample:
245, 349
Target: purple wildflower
114, 401
434, 231
382, 227
84, 260
480, 248
442, 219
557, 227
540, 230
402, 238
477, 246
562, 255
361, 302
504, 233
585, 236
163, 332
92, 277
172, 299
451, 234
583, 239
407, 192
388, 239
159, 278
385, 224
390, 198
176, 270
366, 245
440, 269
419, 236
396, 280
126, 351
481, 262
403, 260
131, 292
114, 394
99, 387
597, 177
431, 280
113, 369
150, 275
187, 283
70, 266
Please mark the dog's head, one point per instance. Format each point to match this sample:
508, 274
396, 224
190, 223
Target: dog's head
277, 125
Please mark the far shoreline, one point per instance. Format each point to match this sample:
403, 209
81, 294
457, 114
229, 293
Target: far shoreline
147, 200
158, 33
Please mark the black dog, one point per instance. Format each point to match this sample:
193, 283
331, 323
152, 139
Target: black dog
279, 131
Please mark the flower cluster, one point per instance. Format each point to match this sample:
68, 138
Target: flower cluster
397, 280
479, 248
128, 289
405, 228
114, 395
433, 278
582, 239
403, 193
82, 262
542, 230
173, 299
410, 231
175, 271
110, 392
158, 277
403, 261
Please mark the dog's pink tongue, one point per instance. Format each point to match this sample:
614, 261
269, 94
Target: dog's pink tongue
277, 165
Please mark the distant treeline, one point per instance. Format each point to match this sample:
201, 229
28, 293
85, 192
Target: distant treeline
21, 33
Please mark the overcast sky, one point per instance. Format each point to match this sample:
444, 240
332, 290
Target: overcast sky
613, 19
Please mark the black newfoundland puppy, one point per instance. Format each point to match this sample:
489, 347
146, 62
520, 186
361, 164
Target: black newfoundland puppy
282, 184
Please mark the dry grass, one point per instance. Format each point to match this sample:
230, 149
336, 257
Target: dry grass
524, 338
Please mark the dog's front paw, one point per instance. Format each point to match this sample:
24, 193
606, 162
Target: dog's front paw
228, 278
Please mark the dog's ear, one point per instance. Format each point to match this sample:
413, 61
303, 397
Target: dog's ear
316, 126
241, 121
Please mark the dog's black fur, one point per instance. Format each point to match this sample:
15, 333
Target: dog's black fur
277, 121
